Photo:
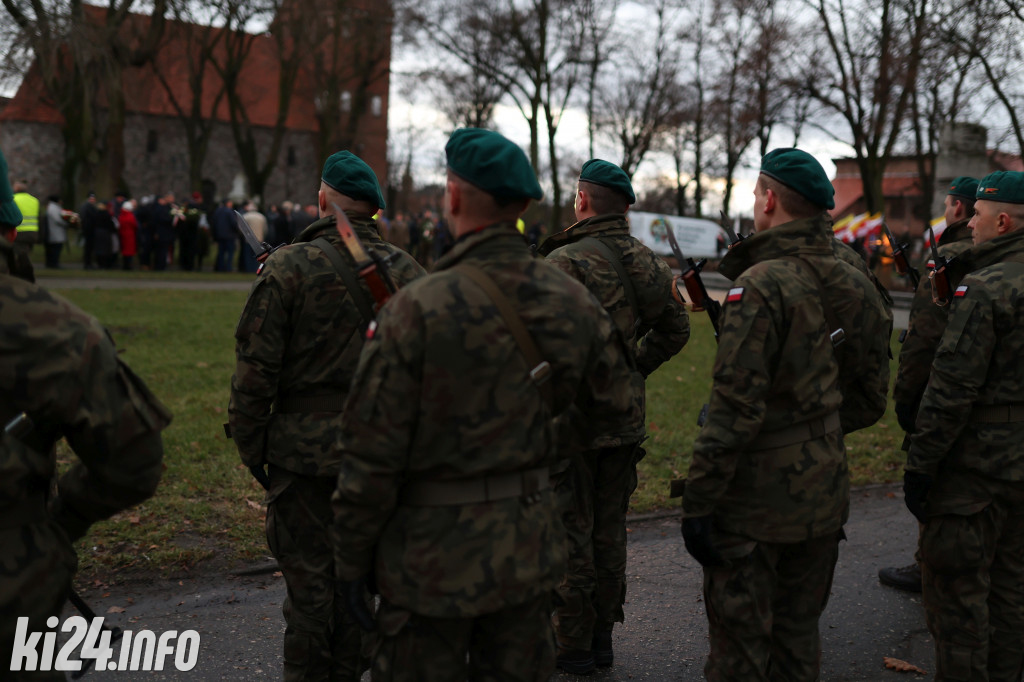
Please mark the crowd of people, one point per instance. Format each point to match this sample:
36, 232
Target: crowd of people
155, 232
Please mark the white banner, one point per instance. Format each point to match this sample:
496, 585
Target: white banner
696, 237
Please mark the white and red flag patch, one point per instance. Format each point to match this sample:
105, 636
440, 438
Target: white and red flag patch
961, 291
735, 294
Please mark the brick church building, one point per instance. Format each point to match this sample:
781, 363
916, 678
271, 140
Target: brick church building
156, 153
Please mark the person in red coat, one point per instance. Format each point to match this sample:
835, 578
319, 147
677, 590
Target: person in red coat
126, 229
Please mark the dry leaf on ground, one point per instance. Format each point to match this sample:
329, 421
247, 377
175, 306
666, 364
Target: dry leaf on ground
901, 666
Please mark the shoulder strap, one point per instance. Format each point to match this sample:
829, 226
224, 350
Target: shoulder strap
357, 292
541, 369
627, 284
836, 333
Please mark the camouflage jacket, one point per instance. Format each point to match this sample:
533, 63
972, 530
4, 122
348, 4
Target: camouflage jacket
927, 322
443, 393
776, 367
977, 365
299, 336
15, 261
59, 366
664, 326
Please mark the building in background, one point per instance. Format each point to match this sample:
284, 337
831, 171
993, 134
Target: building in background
156, 152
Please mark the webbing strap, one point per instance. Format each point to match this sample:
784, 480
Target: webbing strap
540, 371
627, 284
797, 433
835, 326
1006, 413
359, 296
476, 490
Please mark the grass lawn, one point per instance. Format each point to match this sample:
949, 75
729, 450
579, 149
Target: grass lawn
208, 507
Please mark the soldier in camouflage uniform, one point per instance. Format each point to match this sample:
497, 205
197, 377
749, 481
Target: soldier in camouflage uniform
448, 436
60, 368
297, 344
924, 330
965, 469
599, 482
768, 488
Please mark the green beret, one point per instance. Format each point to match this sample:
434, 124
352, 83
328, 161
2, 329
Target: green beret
1003, 186
10, 214
348, 174
607, 174
495, 164
963, 186
802, 173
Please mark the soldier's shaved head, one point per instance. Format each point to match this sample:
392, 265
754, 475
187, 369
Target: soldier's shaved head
467, 207
328, 197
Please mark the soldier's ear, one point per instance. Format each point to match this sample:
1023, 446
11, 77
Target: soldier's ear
454, 198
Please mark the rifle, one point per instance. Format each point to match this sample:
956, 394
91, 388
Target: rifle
699, 297
371, 268
899, 258
734, 239
938, 276
260, 248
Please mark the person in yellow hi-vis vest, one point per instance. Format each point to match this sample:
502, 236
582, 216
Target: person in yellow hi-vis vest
28, 231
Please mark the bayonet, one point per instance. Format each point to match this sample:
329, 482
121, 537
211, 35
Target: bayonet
730, 232
938, 275
261, 249
700, 299
899, 258
371, 268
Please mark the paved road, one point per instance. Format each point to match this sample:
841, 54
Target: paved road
664, 637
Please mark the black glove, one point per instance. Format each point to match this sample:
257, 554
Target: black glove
906, 415
915, 493
697, 536
356, 603
260, 474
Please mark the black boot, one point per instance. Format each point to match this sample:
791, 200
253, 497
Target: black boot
575, 661
906, 578
601, 646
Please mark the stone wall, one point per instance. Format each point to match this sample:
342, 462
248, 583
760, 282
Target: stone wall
34, 151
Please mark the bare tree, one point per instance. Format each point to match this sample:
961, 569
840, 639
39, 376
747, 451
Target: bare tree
600, 45
290, 52
80, 54
193, 43
864, 73
643, 102
350, 48
537, 47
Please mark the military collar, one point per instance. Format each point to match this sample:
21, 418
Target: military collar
987, 253
364, 227
504, 231
956, 232
609, 223
802, 236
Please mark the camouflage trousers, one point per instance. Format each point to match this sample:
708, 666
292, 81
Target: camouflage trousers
595, 490
36, 567
512, 645
321, 641
972, 576
763, 610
